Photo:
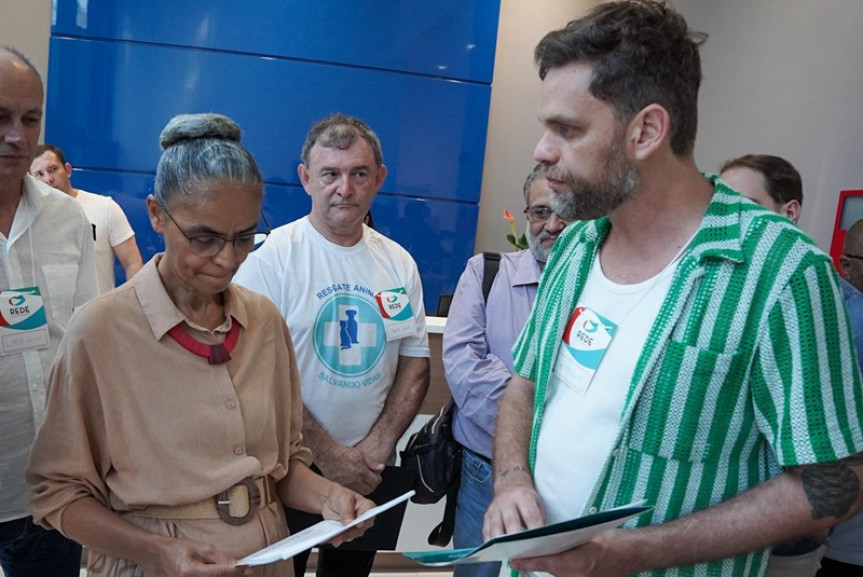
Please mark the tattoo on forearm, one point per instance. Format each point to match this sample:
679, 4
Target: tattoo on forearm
832, 488
512, 470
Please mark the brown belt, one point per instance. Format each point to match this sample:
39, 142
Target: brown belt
236, 506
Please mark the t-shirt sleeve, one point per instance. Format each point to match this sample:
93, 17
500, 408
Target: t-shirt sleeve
260, 275
119, 229
806, 383
417, 344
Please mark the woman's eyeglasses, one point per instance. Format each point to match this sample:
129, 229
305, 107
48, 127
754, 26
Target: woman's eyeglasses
209, 245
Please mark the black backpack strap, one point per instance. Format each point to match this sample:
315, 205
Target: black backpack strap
491, 263
440, 536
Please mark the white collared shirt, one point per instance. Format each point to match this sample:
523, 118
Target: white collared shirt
50, 245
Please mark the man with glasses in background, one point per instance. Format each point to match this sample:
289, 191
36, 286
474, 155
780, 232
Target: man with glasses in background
477, 340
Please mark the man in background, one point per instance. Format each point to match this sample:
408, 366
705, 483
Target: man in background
768, 180
844, 555
353, 301
46, 270
111, 229
477, 357
851, 260
775, 184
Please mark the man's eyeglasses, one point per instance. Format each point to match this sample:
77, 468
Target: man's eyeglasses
538, 214
209, 245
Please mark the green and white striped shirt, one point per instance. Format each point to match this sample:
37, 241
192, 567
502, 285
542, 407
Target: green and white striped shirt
748, 367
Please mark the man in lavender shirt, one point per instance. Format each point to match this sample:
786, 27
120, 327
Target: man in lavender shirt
478, 362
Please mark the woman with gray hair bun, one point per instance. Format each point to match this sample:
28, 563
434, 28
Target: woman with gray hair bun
171, 438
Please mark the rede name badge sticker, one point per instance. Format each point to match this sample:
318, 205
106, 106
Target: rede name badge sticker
23, 324
395, 308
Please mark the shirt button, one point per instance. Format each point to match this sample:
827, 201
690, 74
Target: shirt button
238, 451
614, 453
592, 510
231, 405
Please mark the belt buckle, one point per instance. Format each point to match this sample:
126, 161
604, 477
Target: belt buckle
223, 503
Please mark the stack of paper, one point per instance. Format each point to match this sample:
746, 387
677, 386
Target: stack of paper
314, 535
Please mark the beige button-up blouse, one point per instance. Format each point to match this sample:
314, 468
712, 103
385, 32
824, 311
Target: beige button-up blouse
133, 419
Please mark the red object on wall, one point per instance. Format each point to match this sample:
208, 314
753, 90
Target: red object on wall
849, 211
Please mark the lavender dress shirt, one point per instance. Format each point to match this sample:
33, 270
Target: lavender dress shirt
478, 339
845, 541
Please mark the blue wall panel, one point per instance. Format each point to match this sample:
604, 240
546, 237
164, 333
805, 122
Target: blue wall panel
418, 72
432, 130
448, 38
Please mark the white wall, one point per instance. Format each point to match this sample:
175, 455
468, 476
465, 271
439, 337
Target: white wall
784, 77
781, 77
26, 25
513, 127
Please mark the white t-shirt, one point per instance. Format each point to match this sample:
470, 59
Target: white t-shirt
110, 228
328, 295
606, 332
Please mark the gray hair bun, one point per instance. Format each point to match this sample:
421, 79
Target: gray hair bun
193, 126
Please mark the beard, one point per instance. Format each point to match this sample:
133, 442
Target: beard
589, 199
534, 243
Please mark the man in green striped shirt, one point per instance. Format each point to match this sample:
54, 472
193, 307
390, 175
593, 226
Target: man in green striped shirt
687, 347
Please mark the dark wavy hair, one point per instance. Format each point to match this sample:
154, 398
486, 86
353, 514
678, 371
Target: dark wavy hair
781, 179
642, 52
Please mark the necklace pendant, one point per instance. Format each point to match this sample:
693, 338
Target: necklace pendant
218, 355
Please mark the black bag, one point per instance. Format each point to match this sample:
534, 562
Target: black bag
434, 454
435, 457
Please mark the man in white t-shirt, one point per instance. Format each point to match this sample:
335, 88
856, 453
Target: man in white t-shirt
111, 229
353, 301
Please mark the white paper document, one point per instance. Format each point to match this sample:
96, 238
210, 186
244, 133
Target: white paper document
538, 542
314, 535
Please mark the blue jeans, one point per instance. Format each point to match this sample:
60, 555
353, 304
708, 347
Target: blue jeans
474, 497
28, 550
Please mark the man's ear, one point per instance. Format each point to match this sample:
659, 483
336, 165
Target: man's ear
648, 130
844, 267
304, 177
791, 210
382, 174
68, 168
